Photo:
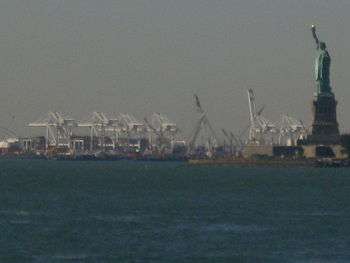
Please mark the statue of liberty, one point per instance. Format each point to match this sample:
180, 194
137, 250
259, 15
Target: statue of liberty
322, 66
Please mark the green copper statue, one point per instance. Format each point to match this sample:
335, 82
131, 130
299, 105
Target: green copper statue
322, 66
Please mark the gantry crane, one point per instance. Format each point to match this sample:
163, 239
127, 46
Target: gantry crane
260, 127
98, 125
164, 130
59, 129
291, 130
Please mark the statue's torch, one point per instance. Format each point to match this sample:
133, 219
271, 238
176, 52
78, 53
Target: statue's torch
313, 30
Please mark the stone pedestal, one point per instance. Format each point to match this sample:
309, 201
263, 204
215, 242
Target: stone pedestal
325, 129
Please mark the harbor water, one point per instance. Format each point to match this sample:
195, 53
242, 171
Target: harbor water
124, 211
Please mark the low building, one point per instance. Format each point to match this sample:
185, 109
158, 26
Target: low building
10, 146
251, 150
325, 151
288, 151
32, 144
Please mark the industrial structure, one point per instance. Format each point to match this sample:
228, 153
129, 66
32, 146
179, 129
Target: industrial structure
261, 130
123, 136
156, 137
291, 131
203, 140
58, 130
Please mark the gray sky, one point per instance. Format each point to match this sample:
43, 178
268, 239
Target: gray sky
141, 56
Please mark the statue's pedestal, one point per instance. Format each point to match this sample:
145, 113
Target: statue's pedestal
325, 129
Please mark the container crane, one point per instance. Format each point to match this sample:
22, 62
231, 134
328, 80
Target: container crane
133, 131
290, 131
164, 129
59, 129
260, 127
98, 124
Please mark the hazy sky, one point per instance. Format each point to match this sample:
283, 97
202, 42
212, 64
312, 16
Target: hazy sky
144, 56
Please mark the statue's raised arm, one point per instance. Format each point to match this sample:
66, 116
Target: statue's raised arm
322, 65
313, 30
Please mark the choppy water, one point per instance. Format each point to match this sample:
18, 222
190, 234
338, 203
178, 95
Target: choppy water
53, 211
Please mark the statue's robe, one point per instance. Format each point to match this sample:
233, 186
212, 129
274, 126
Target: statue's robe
322, 66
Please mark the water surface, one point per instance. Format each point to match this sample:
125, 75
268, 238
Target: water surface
54, 211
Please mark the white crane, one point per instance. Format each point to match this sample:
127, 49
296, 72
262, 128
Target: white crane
98, 124
132, 131
203, 125
164, 130
131, 125
290, 131
59, 129
260, 127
